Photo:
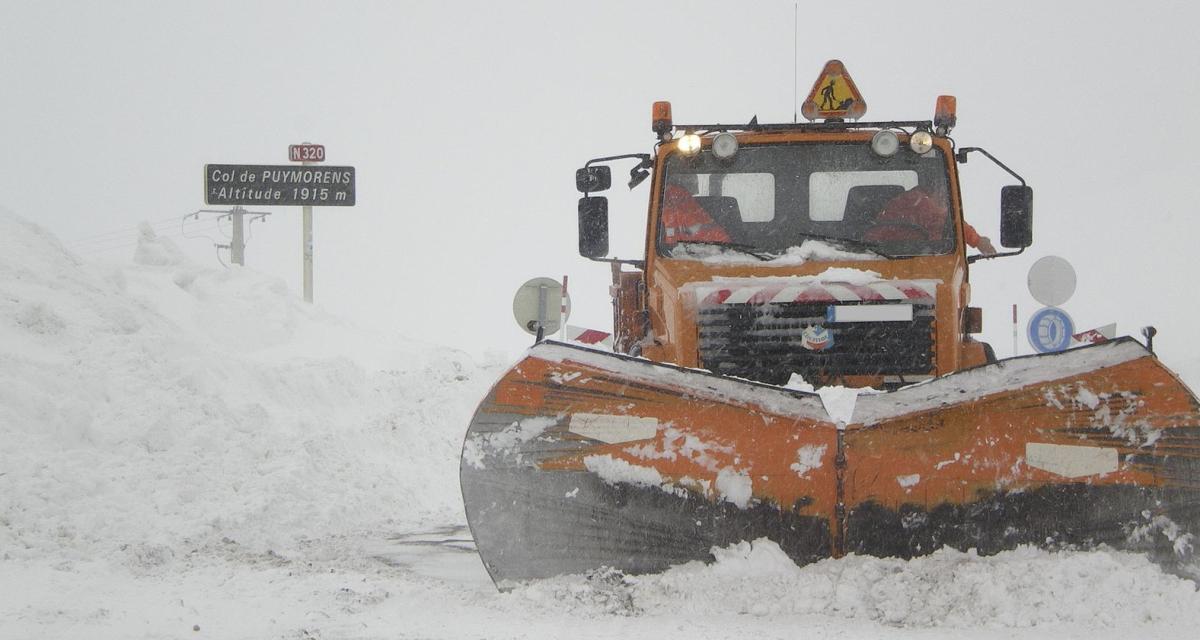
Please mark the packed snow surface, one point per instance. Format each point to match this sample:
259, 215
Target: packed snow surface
1027, 587
194, 453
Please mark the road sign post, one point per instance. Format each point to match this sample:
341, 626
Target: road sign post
305, 153
305, 186
308, 253
1014, 352
237, 244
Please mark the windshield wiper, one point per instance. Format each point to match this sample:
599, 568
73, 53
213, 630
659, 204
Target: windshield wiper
749, 249
847, 243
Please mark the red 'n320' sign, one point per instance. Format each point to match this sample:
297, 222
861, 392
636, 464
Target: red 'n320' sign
306, 152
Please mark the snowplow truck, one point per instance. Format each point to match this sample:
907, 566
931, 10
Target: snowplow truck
793, 359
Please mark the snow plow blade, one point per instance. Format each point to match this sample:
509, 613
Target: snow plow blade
580, 459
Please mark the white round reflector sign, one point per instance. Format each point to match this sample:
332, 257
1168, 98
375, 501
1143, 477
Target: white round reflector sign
1052, 281
540, 301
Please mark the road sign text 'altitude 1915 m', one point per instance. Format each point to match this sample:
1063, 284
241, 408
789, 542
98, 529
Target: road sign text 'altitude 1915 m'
279, 185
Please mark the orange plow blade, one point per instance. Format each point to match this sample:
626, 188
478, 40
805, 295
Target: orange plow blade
579, 459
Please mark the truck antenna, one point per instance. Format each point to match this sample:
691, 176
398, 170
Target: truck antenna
795, 55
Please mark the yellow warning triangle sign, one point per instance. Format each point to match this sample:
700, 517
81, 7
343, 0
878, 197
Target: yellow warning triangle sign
833, 95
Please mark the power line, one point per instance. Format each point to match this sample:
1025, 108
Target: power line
124, 234
160, 223
114, 244
162, 230
191, 227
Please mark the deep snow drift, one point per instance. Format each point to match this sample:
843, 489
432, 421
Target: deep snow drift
162, 406
192, 452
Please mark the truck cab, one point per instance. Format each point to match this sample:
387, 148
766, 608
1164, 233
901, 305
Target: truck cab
833, 250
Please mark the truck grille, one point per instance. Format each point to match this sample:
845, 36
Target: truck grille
763, 342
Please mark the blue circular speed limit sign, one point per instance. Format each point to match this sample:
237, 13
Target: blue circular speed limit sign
1050, 329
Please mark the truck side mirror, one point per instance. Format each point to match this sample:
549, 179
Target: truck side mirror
593, 227
1016, 216
592, 179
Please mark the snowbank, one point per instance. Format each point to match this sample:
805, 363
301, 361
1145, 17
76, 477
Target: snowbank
151, 409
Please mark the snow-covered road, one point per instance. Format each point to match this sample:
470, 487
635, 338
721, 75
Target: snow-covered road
405, 589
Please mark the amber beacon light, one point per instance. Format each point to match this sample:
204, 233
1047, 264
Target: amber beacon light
945, 116
660, 119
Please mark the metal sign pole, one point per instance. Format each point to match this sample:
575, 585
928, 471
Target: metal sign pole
308, 253
237, 245
308, 248
541, 315
1015, 354
562, 313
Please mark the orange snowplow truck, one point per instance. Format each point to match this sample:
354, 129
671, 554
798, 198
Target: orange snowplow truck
787, 268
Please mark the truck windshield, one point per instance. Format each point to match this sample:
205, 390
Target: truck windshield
807, 201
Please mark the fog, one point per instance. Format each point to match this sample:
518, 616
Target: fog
466, 121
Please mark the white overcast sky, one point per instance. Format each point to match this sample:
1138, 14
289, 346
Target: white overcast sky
466, 122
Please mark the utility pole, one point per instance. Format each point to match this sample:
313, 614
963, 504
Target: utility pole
237, 241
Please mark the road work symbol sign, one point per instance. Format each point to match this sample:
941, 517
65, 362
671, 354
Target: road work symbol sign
278, 185
1050, 330
834, 95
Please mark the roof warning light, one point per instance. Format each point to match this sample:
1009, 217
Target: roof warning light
660, 119
945, 116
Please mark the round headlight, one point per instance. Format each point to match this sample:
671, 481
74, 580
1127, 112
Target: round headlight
725, 145
920, 142
885, 143
689, 144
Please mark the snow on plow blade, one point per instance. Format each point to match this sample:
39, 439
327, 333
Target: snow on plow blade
579, 459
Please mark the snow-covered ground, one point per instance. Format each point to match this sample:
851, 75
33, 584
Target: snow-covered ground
194, 453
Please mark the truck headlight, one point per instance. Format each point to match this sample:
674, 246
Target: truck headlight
689, 144
920, 142
885, 143
725, 145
